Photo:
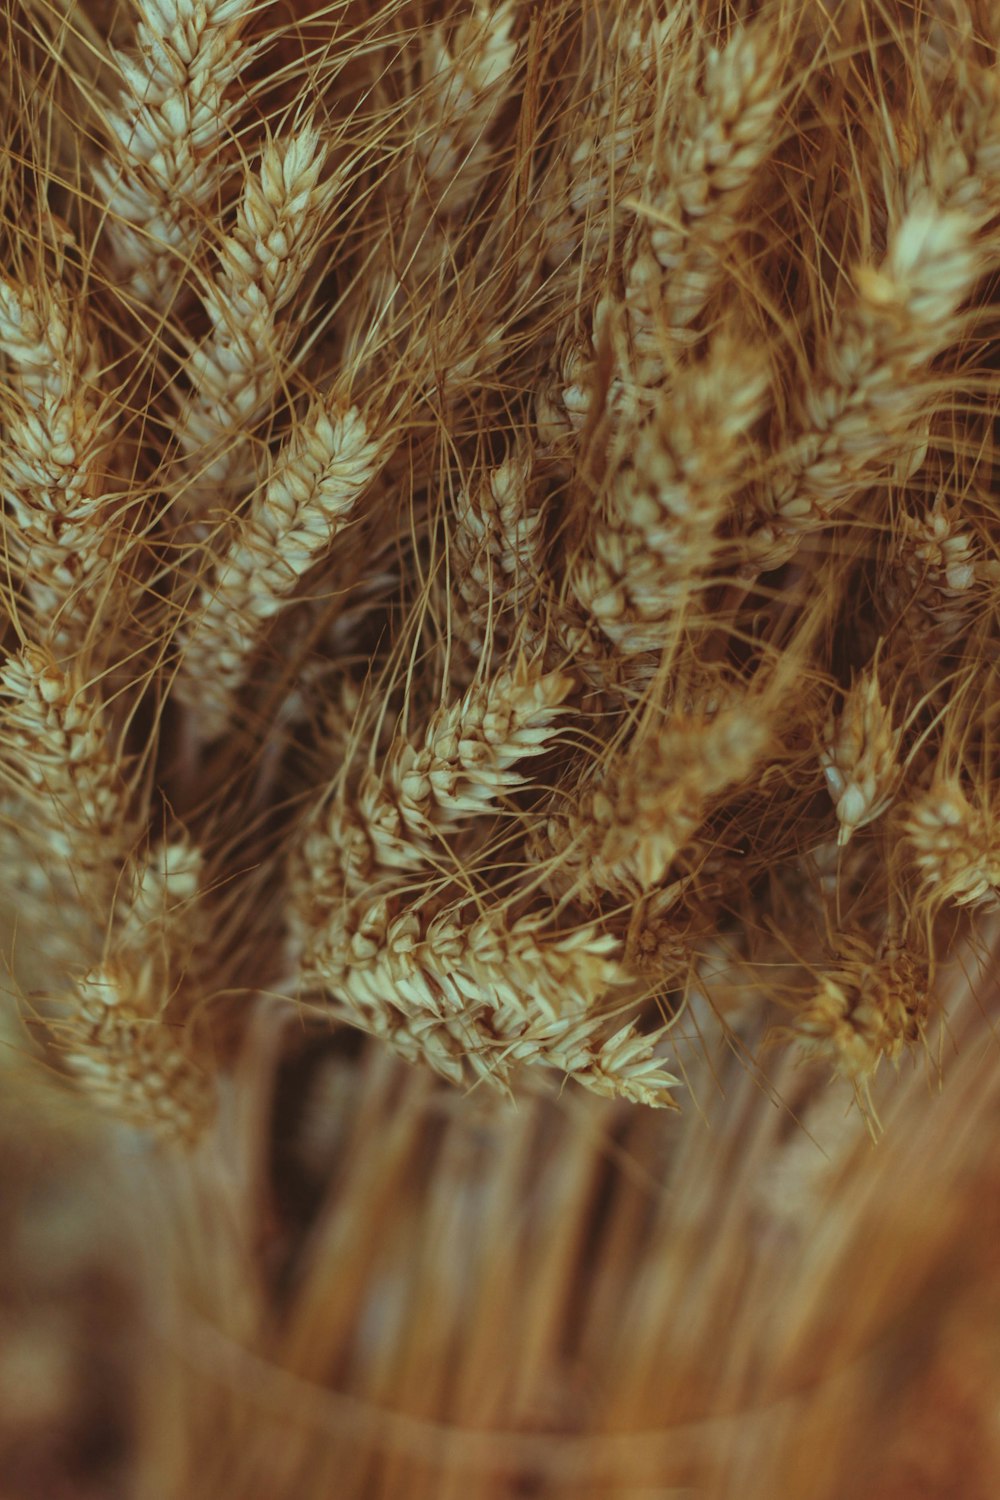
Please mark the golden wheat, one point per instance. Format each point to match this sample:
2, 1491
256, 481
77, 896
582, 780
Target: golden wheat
501, 554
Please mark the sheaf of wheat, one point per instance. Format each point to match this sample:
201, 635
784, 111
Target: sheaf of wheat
499, 747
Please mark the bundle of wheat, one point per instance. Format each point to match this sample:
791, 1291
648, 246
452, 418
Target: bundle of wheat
502, 556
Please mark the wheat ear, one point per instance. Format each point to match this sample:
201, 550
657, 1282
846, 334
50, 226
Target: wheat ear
937, 567
602, 159
498, 544
860, 760
669, 498
234, 374
59, 744
955, 844
696, 192
620, 838
473, 994
867, 1005
317, 479
113, 1035
123, 1055
169, 127
54, 460
427, 790
465, 762
859, 415
466, 82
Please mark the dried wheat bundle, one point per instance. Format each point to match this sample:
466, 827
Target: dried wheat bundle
501, 545
500, 486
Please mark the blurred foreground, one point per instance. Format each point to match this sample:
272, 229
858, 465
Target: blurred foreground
362, 1285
